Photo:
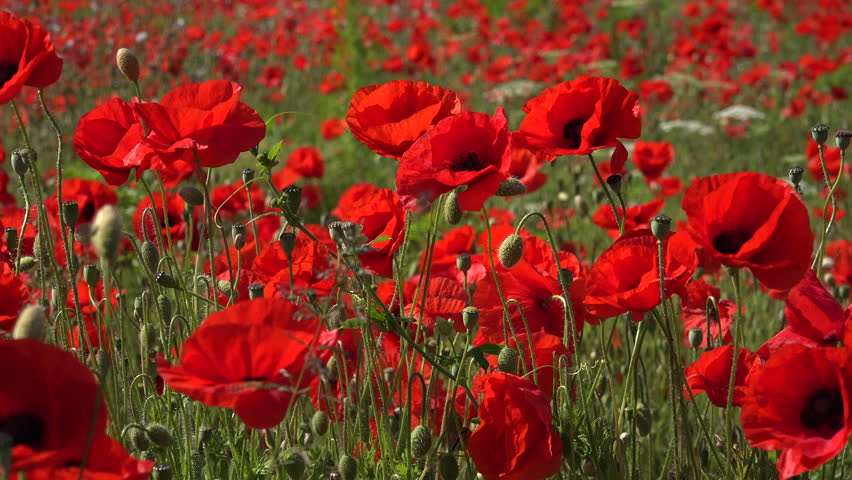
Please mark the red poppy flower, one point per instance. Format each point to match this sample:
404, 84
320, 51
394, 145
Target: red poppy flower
381, 215
172, 212
107, 460
526, 164
719, 327
89, 195
14, 296
388, 118
445, 298
798, 402
35, 398
711, 373
454, 242
580, 116
515, 440
469, 149
332, 128
840, 253
652, 158
626, 278
28, 57
547, 349
246, 357
750, 220
637, 216
206, 118
832, 161
307, 162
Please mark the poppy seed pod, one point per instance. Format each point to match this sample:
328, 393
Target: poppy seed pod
107, 235
842, 138
248, 175
347, 466
820, 133
463, 262
288, 242
507, 360
421, 441
795, 174
10, 237
128, 64
91, 274
292, 198
470, 318
696, 337
511, 250
237, 229
192, 196
510, 187
661, 225
32, 323
70, 212
255, 290
150, 255
448, 468
319, 423
452, 211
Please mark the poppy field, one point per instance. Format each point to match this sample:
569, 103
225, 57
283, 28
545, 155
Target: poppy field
425, 240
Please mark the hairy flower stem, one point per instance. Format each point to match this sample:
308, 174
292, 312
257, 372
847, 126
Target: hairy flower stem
735, 278
618, 218
832, 199
506, 318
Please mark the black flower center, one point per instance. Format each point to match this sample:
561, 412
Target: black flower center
465, 162
7, 71
571, 132
823, 410
23, 429
87, 213
730, 243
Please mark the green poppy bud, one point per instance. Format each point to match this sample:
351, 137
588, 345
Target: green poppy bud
511, 250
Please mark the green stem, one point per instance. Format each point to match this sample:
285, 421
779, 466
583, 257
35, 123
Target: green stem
618, 218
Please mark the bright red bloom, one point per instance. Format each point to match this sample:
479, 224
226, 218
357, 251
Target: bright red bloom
799, 402
470, 149
750, 220
626, 278
35, 398
840, 252
381, 215
447, 249
547, 349
28, 57
711, 373
14, 295
332, 128
307, 162
171, 213
637, 216
107, 460
89, 195
526, 164
259, 348
652, 158
515, 440
580, 116
388, 118
445, 298
206, 118
719, 327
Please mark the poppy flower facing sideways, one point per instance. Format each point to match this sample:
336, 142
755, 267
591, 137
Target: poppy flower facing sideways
625, 278
580, 116
798, 402
204, 119
246, 357
754, 221
515, 440
711, 374
388, 118
471, 149
28, 57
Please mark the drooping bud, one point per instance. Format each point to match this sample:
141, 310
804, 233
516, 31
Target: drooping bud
192, 196
510, 187
128, 64
21, 160
255, 290
150, 255
164, 305
421, 441
295, 464
248, 175
448, 468
31, 323
463, 262
139, 439
162, 471
107, 235
160, 435
470, 318
292, 198
91, 273
696, 337
10, 238
70, 213
842, 138
661, 225
452, 210
511, 250
224, 287
507, 360
614, 181
819, 132
166, 280
27, 263
643, 419
347, 466
319, 423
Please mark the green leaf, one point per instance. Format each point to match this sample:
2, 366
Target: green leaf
275, 150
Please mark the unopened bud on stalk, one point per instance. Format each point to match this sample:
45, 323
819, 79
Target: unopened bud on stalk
288, 242
191, 196
10, 238
91, 274
292, 198
795, 174
463, 262
70, 212
421, 441
507, 360
348, 467
696, 337
239, 241
661, 225
27, 263
567, 276
255, 290
139, 439
224, 287
319, 423
162, 471
31, 323
510, 187
128, 64
331, 369
511, 250
448, 468
164, 304
452, 210
614, 181
842, 138
166, 280
820, 133
160, 435
150, 255
470, 318
107, 235
248, 175
295, 464
21, 159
